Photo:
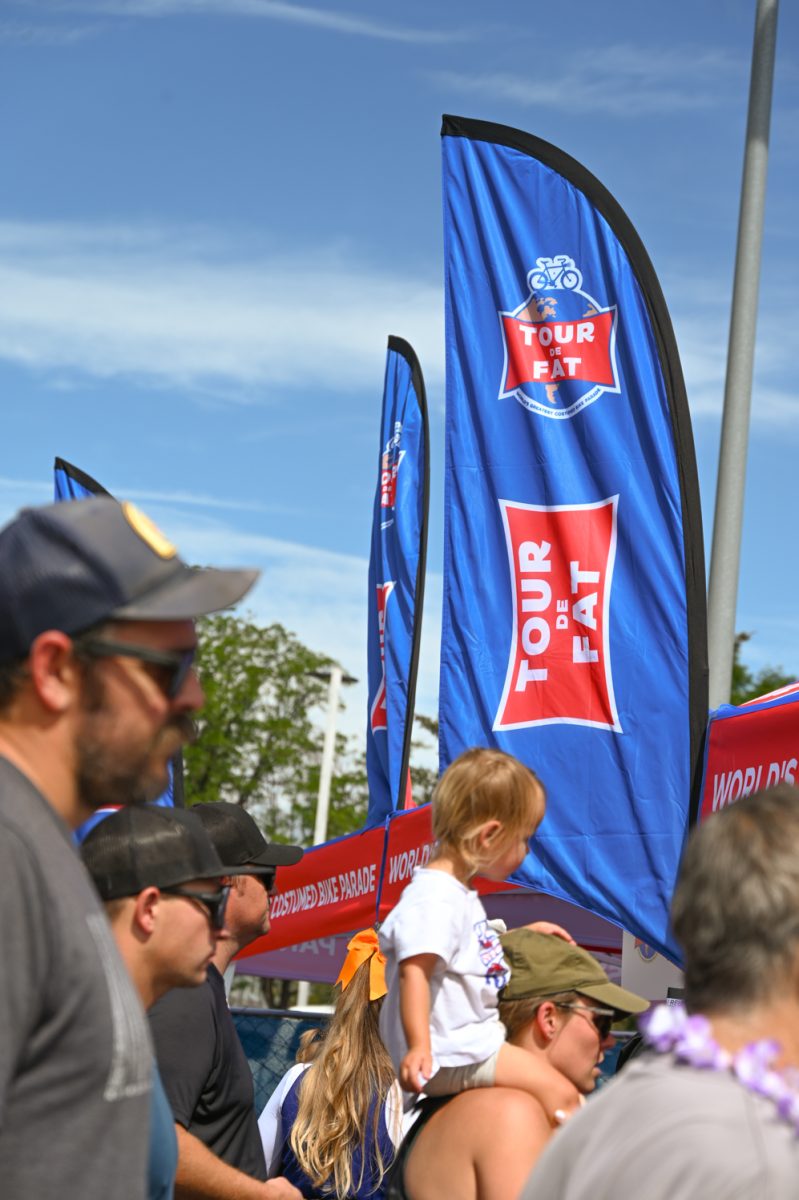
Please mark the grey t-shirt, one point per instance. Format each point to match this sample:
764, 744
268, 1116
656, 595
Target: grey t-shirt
666, 1131
75, 1053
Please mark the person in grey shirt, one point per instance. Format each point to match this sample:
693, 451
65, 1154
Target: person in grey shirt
160, 879
712, 1109
96, 695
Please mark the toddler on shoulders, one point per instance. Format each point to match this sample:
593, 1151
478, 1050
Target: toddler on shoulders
444, 965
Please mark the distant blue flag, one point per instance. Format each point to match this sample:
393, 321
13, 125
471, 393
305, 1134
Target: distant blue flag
574, 629
73, 484
396, 580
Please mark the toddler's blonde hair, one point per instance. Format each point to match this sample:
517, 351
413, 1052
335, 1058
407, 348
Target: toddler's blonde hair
484, 785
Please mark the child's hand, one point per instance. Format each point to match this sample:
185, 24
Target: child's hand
554, 930
415, 1070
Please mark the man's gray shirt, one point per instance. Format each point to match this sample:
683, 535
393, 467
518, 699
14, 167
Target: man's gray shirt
75, 1053
666, 1131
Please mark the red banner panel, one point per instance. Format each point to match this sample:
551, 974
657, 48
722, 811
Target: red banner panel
332, 889
750, 749
561, 560
410, 844
548, 351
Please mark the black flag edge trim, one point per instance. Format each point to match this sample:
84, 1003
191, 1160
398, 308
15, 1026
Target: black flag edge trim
399, 346
80, 477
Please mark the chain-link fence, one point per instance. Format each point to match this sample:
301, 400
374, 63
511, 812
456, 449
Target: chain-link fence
270, 1040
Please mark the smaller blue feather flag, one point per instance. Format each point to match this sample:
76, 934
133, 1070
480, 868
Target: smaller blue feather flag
396, 580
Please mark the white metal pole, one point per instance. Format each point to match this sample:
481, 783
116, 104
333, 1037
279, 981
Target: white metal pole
328, 757
728, 519
325, 779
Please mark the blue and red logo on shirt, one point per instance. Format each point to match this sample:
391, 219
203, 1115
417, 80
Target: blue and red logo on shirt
490, 947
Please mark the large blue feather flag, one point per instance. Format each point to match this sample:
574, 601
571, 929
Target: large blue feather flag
574, 629
396, 580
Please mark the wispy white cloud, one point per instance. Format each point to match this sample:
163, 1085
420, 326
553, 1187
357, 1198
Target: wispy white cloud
269, 10
700, 306
621, 81
319, 595
702, 328
39, 491
194, 311
24, 33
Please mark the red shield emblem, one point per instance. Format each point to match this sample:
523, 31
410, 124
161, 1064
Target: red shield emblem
560, 343
561, 566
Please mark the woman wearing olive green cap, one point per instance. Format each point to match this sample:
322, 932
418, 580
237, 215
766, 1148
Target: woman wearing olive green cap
482, 1144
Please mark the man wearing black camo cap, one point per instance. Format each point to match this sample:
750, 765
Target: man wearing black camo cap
204, 1069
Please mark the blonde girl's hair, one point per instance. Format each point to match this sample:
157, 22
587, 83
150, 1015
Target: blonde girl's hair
350, 1071
484, 785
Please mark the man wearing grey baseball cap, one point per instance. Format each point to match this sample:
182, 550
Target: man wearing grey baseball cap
96, 695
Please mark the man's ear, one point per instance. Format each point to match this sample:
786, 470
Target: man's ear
54, 672
145, 912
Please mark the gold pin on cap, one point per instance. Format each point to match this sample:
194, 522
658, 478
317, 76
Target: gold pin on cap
148, 531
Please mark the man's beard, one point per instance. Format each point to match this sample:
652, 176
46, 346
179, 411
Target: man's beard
108, 773
105, 776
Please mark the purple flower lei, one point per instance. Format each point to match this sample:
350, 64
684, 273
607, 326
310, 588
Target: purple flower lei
669, 1028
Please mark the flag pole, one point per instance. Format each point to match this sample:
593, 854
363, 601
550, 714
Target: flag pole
728, 519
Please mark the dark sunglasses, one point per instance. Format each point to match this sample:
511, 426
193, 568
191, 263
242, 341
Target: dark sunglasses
267, 878
601, 1018
175, 664
215, 903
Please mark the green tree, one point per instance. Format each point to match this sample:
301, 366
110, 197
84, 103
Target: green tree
258, 743
423, 778
746, 685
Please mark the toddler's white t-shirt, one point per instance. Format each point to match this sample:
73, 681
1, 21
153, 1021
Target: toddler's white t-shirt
437, 914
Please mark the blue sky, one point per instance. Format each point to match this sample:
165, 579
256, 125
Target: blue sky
214, 212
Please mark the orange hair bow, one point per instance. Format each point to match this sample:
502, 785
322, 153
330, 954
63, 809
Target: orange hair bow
361, 948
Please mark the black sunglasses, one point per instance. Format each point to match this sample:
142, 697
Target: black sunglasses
267, 878
601, 1018
176, 664
215, 903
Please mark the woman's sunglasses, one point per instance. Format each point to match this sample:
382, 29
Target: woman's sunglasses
601, 1018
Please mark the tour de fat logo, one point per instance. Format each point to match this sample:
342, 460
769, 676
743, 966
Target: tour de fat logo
378, 713
390, 463
559, 343
561, 561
